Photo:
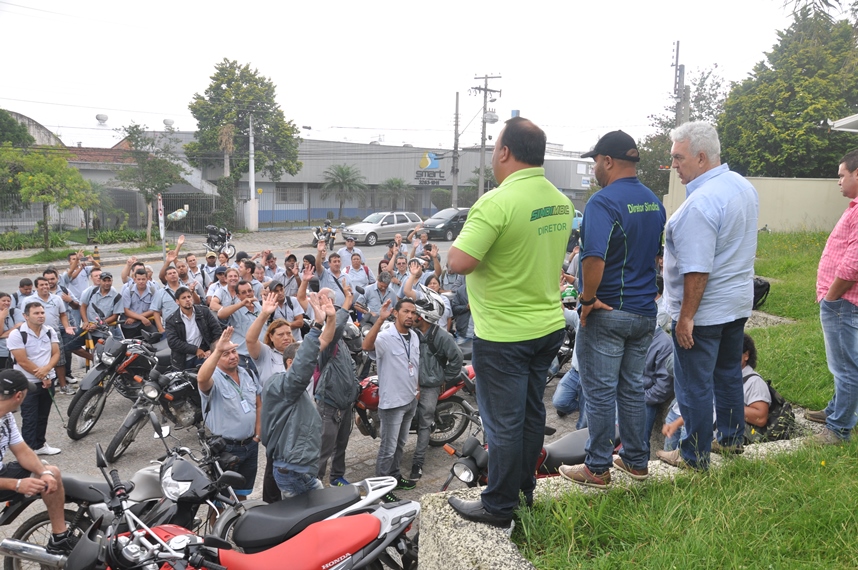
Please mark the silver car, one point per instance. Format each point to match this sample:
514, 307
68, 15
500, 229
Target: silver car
382, 226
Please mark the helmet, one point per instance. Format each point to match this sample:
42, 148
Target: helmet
431, 306
569, 295
327, 222
353, 338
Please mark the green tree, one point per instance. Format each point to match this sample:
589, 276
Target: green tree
468, 192
394, 189
343, 182
223, 124
775, 122
11, 163
442, 198
47, 178
155, 169
14, 132
708, 93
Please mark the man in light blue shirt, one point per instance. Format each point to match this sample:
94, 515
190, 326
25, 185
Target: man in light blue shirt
710, 244
374, 297
240, 316
331, 277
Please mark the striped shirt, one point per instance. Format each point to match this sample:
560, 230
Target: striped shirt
840, 256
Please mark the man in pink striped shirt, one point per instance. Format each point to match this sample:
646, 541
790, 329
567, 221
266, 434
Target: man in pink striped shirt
838, 311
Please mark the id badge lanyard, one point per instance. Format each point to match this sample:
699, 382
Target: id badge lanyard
407, 346
245, 405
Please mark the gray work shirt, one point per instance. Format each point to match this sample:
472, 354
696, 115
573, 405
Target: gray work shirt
289, 310
241, 321
327, 279
109, 304
269, 363
194, 285
225, 297
227, 416
164, 301
374, 299
398, 365
54, 307
272, 273
77, 285
290, 283
138, 302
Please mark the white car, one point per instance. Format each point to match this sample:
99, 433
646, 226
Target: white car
382, 226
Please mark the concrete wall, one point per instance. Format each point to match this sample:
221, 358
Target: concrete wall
786, 204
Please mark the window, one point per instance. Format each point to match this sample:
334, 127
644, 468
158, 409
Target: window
414, 218
289, 193
401, 219
387, 220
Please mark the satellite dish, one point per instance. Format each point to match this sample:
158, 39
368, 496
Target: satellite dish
168, 122
102, 119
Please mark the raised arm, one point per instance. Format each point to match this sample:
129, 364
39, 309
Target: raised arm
205, 376
414, 273
383, 313
302, 288
269, 305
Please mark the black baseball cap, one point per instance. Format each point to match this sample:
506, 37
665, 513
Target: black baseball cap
220, 269
12, 381
616, 144
107, 275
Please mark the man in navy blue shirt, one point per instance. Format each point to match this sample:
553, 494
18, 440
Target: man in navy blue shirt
621, 234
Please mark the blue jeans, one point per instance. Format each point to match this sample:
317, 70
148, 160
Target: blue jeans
569, 397
511, 387
710, 368
672, 442
293, 483
395, 424
840, 330
611, 357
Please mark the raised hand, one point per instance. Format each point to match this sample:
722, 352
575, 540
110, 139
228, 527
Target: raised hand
385, 311
321, 247
269, 304
328, 306
180, 242
308, 273
415, 269
313, 300
225, 343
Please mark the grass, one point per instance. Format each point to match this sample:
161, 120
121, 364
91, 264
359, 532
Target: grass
789, 511
142, 249
41, 257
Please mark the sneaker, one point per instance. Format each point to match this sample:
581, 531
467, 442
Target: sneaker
66, 390
727, 449
405, 484
62, 543
47, 450
71, 379
827, 437
673, 458
390, 498
339, 482
416, 471
819, 417
582, 475
637, 474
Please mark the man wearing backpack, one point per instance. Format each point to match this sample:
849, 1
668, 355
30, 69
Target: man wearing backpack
837, 296
25, 289
102, 303
137, 298
441, 362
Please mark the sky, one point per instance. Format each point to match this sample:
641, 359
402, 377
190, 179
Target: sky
383, 71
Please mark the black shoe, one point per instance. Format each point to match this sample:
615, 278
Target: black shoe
474, 511
62, 543
405, 484
390, 498
560, 414
416, 471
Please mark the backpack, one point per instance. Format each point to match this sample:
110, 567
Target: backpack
761, 291
781, 423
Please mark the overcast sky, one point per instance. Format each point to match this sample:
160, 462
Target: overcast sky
364, 71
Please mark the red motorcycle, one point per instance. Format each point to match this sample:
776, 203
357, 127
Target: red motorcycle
451, 413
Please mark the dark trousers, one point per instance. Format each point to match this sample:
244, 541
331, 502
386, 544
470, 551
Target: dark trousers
270, 490
512, 383
336, 429
35, 410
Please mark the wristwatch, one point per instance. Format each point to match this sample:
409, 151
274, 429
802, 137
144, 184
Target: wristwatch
316, 325
587, 303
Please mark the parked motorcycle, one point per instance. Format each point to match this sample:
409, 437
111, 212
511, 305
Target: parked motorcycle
174, 392
218, 241
120, 365
357, 541
450, 412
326, 233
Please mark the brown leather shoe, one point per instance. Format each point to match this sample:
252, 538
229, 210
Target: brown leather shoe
583, 476
637, 474
818, 417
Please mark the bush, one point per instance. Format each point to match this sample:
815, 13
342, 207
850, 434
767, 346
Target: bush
14, 241
103, 237
442, 198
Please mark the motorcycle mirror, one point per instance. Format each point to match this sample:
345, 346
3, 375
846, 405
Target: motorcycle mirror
359, 289
154, 376
153, 419
213, 541
470, 445
230, 479
100, 460
481, 457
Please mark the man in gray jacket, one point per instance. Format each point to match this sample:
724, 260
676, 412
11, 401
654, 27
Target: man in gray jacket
441, 362
291, 426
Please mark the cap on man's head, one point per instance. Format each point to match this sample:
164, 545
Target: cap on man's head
12, 381
220, 269
211, 254
291, 257
107, 275
615, 144
350, 238
277, 285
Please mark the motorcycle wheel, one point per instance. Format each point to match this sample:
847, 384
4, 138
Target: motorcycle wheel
37, 530
84, 414
124, 438
315, 242
229, 250
450, 421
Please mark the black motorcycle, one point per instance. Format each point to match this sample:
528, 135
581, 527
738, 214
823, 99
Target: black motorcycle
217, 241
177, 395
120, 365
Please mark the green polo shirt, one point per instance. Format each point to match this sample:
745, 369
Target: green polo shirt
519, 232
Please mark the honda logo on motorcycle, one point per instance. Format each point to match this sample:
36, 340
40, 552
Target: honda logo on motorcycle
333, 563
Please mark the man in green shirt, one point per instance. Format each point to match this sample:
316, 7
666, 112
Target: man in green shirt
524, 224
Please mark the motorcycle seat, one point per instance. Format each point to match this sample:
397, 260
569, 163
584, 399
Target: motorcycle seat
568, 450
163, 357
264, 526
78, 488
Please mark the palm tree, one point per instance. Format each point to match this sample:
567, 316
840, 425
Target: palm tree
345, 183
396, 188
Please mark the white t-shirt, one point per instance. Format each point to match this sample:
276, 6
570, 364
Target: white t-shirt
38, 347
9, 436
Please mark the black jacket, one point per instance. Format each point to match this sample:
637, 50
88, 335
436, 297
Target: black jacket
174, 328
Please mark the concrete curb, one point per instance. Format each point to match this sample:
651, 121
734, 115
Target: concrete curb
106, 261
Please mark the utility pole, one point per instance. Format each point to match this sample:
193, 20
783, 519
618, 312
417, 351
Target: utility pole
455, 170
484, 88
252, 215
681, 91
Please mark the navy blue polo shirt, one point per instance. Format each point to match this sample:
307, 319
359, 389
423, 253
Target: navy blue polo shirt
623, 224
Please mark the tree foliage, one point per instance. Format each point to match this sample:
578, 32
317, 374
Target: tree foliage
223, 124
442, 198
48, 179
708, 93
11, 163
775, 122
156, 166
395, 189
12, 131
343, 182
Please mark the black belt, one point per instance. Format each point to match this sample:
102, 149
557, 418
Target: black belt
244, 441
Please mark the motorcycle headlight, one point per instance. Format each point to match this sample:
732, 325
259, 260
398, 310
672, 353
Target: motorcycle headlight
173, 489
465, 470
108, 359
151, 391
